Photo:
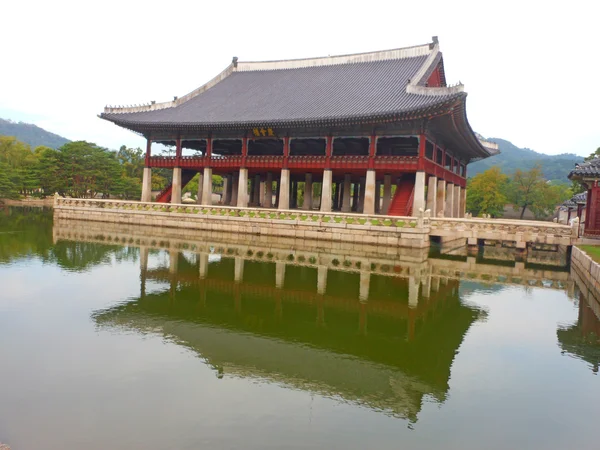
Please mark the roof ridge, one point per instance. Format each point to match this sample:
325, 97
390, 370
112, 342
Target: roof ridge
352, 58
414, 85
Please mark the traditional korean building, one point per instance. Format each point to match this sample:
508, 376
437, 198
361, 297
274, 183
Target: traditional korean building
588, 174
378, 132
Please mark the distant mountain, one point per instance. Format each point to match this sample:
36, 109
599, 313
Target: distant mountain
511, 158
31, 134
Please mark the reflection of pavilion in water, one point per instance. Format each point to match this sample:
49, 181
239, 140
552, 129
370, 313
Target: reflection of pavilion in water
384, 342
582, 339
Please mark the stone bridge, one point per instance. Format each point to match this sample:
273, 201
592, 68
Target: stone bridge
512, 233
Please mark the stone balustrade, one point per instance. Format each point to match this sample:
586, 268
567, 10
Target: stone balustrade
519, 231
394, 231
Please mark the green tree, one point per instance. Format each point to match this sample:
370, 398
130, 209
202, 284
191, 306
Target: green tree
530, 190
486, 192
7, 187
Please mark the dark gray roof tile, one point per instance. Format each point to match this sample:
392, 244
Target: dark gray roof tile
351, 90
589, 169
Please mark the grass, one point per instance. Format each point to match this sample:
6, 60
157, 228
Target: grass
592, 250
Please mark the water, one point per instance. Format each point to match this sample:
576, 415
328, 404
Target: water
233, 345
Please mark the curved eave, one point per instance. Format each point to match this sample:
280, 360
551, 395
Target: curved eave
440, 107
464, 138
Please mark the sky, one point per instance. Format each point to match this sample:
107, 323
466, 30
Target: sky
530, 67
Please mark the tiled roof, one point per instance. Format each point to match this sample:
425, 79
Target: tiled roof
589, 169
580, 198
321, 90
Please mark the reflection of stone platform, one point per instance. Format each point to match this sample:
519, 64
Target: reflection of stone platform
360, 258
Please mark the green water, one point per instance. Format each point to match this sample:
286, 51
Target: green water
109, 346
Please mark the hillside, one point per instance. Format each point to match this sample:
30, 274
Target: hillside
511, 157
31, 134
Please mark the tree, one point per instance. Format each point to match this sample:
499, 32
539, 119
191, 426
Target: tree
7, 187
486, 192
530, 190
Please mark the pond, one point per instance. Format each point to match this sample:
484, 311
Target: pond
135, 338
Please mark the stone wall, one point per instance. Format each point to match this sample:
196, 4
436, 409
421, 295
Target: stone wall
408, 232
586, 273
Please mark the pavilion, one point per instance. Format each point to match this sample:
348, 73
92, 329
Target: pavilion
373, 133
588, 174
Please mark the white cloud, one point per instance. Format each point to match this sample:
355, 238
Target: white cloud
529, 66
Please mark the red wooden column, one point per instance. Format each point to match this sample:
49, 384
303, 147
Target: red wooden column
422, 143
148, 150
372, 149
244, 151
286, 151
593, 203
178, 152
209, 146
328, 151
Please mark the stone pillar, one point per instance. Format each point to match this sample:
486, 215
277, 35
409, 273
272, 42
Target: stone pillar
440, 201
269, 191
435, 284
203, 257
321, 280
456, 206
207, 187
449, 200
346, 207
143, 270
238, 269
369, 196
413, 292
261, 199
242, 195
363, 290
284, 190
256, 191
426, 286
294, 195
226, 187
251, 191
377, 197
234, 189
387, 193
200, 188
279, 274
307, 203
176, 188
173, 261
229, 189
361, 195
326, 191
147, 185
432, 195
419, 196
463, 202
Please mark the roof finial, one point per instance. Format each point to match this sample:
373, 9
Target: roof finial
435, 41
234, 61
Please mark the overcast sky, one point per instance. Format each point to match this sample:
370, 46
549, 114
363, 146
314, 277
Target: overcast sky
531, 68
